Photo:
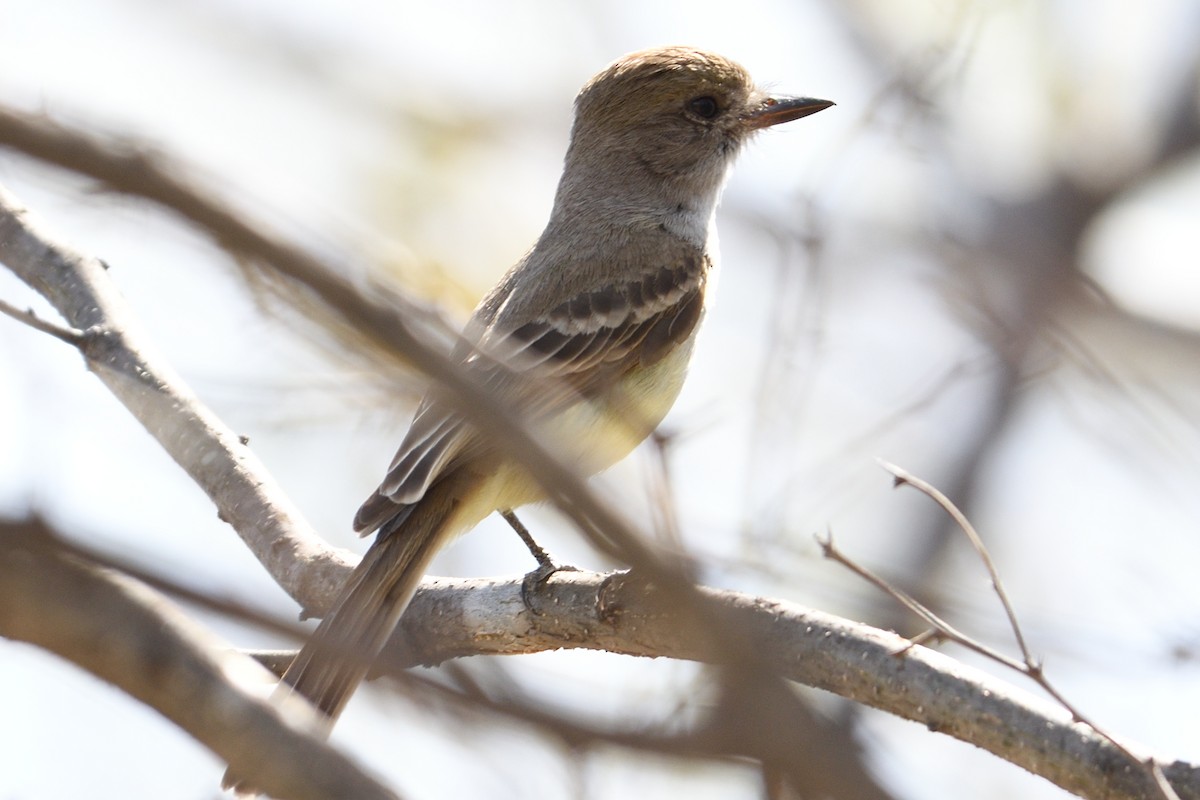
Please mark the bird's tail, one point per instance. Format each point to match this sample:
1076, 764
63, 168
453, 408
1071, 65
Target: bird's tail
338, 655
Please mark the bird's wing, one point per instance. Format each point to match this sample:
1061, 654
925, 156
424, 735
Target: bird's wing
596, 335
580, 347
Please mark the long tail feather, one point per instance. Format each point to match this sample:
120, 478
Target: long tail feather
338, 655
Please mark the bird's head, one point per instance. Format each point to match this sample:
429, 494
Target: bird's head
673, 116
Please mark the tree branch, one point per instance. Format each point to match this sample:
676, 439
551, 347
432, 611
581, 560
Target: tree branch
110, 339
454, 618
62, 603
128, 635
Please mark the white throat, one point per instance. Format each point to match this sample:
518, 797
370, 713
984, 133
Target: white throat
696, 223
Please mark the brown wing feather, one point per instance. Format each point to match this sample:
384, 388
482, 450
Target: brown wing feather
659, 311
584, 344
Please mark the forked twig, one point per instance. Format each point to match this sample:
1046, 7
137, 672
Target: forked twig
903, 477
1027, 666
940, 627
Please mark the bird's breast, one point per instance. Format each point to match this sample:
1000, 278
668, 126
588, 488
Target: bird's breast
607, 426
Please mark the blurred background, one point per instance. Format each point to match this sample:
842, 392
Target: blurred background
981, 265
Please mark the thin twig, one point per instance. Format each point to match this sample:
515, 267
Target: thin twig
940, 626
904, 477
65, 333
1029, 667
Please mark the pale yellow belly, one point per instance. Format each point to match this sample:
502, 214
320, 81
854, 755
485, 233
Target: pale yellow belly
590, 436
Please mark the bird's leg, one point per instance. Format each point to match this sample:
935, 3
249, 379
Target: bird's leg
546, 565
540, 555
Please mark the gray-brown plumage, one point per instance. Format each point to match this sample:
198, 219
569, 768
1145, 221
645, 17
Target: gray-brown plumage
597, 321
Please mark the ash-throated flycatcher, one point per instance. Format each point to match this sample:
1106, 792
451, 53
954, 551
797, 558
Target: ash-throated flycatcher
595, 324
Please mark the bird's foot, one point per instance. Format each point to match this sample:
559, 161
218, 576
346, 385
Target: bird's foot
533, 581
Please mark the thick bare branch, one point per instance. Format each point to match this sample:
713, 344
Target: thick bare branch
452, 618
45, 599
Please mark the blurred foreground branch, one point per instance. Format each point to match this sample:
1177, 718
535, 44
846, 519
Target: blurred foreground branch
122, 632
395, 326
755, 641
386, 319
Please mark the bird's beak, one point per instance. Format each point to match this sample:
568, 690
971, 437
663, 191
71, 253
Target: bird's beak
777, 110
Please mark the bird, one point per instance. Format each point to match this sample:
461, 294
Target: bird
588, 335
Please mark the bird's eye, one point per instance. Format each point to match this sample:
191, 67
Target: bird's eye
705, 106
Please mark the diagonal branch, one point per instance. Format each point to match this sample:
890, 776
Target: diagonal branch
128, 635
120, 355
394, 326
903, 477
